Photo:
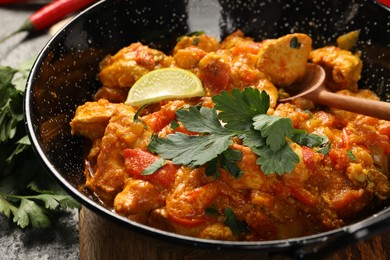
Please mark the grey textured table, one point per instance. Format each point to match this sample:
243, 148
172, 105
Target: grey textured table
61, 241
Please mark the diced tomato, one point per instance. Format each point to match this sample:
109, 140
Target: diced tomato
303, 196
160, 119
136, 161
309, 158
339, 158
384, 142
345, 198
384, 129
188, 222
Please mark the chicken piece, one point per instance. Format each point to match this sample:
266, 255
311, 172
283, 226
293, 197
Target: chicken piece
114, 95
240, 44
203, 42
92, 118
272, 91
138, 196
342, 67
284, 59
188, 58
121, 133
131, 63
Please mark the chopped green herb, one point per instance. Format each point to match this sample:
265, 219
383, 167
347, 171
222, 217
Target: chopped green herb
190, 34
228, 162
237, 227
212, 168
351, 156
174, 124
212, 211
195, 41
325, 150
137, 113
294, 43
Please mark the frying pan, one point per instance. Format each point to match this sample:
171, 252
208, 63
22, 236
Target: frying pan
64, 76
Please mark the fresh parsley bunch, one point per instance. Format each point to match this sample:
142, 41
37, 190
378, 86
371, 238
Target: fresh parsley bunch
27, 194
241, 114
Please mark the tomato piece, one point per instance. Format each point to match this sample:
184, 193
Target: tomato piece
346, 198
136, 161
215, 74
384, 129
309, 158
160, 119
188, 222
303, 196
339, 158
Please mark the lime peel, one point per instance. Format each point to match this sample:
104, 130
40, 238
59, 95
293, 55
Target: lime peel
162, 84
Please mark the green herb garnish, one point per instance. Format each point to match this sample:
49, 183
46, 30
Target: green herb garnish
212, 211
174, 124
158, 164
325, 150
190, 34
27, 194
244, 115
237, 227
294, 43
351, 156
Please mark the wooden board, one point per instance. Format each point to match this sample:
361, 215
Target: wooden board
103, 239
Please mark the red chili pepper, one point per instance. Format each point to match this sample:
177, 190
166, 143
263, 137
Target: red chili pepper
50, 14
10, 1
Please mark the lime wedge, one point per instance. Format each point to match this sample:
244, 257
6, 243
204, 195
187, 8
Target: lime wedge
162, 84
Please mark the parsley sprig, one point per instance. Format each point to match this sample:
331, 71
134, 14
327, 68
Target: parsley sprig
241, 114
27, 194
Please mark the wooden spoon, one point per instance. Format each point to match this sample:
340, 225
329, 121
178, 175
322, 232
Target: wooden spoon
312, 87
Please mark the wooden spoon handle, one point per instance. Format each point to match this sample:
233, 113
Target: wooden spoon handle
368, 107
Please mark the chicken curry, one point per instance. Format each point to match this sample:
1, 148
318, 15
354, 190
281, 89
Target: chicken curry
245, 191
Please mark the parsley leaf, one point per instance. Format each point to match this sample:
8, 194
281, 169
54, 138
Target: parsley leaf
21, 173
195, 150
192, 150
239, 107
154, 167
281, 161
274, 128
325, 150
244, 116
204, 120
310, 140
